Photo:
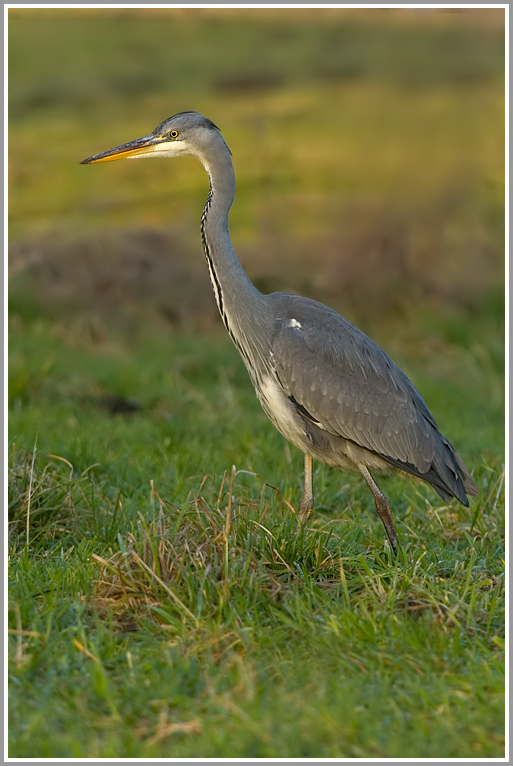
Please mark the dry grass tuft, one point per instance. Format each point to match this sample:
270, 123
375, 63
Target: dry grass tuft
184, 562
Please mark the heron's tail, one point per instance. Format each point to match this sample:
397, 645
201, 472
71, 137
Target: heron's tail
449, 475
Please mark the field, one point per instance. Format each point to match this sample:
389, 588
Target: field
162, 602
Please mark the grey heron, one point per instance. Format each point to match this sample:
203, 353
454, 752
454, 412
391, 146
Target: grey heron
326, 386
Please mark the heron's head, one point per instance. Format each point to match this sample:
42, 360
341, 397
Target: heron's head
184, 133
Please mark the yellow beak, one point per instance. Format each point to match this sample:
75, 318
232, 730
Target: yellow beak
131, 149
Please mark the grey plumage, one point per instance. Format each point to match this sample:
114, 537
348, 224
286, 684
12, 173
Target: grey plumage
327, 387
346, 387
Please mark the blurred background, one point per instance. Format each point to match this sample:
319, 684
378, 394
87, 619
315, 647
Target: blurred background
369, 153
368, 147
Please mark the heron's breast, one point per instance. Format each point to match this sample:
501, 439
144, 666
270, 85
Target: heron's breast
281, 412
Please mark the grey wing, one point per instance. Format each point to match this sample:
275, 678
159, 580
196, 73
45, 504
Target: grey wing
342, 381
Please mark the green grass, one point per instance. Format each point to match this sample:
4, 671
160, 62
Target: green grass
164, 605
161, 603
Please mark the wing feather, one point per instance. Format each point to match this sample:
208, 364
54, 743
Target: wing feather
349, 386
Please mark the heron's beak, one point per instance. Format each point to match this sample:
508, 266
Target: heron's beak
131, 149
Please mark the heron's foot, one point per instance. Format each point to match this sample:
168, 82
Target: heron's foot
393, 539
384, 513
383, 509
304, 511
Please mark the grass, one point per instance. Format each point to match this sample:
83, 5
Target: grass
161, 603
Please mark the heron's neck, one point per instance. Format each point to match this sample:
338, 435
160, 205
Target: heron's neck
237, 298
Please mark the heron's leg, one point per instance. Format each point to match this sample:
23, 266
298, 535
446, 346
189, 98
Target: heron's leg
307, 499
382, 507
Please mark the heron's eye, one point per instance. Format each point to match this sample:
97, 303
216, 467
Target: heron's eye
173, 134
